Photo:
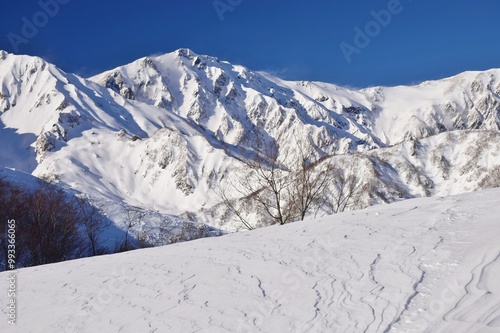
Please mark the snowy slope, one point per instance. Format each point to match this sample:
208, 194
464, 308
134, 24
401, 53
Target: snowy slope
66, 129
160, 133
443, 164
155, 228
422, 265
227, 99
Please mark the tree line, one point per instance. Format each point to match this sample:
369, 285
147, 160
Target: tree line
50, 225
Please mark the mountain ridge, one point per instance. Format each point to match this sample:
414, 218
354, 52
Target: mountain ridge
180, 121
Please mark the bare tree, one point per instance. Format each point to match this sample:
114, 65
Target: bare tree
285, 182
9, 203
347, 187
269, 182
231, 204
133, 217
311, 178
94, 224
46, 224
50, 227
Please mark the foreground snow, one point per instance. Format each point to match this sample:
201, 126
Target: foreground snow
420, 265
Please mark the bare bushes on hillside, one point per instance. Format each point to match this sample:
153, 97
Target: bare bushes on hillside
50, 225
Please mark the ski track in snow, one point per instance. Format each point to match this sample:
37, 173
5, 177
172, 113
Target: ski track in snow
425, 265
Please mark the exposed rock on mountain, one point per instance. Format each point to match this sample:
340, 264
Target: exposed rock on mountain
163, 131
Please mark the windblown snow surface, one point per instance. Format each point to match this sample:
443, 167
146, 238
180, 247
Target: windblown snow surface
422, 265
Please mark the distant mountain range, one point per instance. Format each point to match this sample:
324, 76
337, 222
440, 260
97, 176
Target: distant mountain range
161, 132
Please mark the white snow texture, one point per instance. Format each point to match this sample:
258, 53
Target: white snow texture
422, 265
162, 132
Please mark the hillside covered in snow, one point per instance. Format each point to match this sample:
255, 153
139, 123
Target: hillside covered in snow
422, 265
181, 146
163, 132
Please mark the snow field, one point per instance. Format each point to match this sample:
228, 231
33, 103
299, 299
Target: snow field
423, 265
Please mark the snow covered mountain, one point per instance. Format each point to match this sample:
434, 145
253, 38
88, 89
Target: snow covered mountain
422, 265
230, 100
161, 132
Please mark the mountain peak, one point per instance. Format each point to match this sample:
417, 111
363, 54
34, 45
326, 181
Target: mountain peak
178, 120
185, 52
190, 55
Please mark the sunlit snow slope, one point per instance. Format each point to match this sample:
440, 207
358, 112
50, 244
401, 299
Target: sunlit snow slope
163, 132
422, 265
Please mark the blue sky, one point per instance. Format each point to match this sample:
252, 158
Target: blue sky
297, 40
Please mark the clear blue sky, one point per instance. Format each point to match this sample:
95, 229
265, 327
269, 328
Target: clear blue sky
295, 39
